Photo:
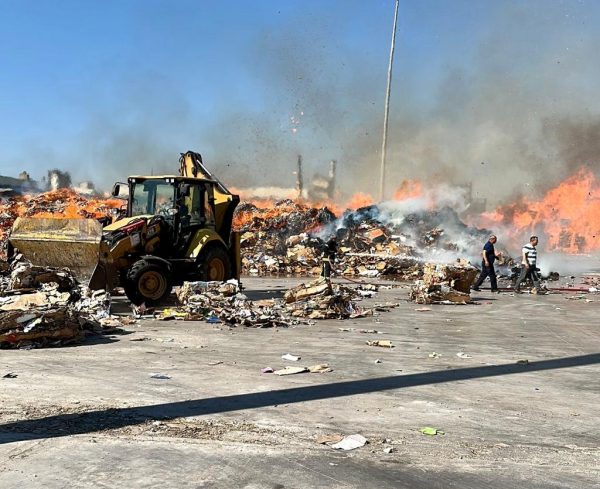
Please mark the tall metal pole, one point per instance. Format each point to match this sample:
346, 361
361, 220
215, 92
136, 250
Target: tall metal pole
387, 107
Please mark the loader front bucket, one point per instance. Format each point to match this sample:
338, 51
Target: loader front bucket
71, 243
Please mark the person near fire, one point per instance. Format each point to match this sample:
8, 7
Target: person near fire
489, 256
529, 265
328, 256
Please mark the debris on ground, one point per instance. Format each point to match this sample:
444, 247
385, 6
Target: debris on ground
225, 302
160, 376
428, 430
323, 299
350, 442
42, 306
444, 284
329, 439
290, 357
320, 299
289, 370
382, 343
320, 368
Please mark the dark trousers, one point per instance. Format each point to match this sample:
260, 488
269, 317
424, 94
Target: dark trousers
487, 272
525, 273
326, 271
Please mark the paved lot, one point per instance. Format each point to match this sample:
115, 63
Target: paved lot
92, 416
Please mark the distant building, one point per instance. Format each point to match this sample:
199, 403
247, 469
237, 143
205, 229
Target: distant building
10, 186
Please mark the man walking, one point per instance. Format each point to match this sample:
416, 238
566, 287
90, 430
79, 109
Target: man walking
529, 265
487, 265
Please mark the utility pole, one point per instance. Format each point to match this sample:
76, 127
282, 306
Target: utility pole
387, 108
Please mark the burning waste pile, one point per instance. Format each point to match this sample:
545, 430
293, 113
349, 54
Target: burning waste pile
391, 239
42, 306
216, 302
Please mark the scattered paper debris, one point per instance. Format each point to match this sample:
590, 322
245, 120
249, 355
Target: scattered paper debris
289, 357
329, 439
382, 343
320, 369
350, 442
289, 370
160, 376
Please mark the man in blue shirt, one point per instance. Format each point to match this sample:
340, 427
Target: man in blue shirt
487, 264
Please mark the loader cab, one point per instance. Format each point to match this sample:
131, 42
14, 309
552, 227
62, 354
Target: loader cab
186, 204
151, 197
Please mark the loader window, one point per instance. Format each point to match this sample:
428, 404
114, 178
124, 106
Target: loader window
196, 206
152, 197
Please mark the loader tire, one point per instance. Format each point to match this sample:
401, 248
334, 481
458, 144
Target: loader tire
147, 283
214, 264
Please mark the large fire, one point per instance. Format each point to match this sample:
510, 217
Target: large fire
268, 209
567, 218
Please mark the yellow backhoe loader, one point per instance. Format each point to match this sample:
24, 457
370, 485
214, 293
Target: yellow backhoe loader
175, 228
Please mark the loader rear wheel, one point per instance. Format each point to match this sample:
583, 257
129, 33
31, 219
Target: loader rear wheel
147, 283
214, 264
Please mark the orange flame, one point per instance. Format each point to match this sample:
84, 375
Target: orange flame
567, 217
409, 189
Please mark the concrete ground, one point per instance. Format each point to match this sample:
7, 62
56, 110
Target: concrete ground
93, 416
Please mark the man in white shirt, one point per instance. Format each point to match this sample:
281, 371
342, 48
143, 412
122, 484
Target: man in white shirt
529, 264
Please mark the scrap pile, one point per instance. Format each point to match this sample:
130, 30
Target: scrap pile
275, 241
216, 302
288, 238
58, 203
46, 307
444, 284
322, 299
591, 280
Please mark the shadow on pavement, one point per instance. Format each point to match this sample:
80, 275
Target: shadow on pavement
107, 419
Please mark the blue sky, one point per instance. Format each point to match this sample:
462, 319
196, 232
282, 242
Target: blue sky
114, 87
